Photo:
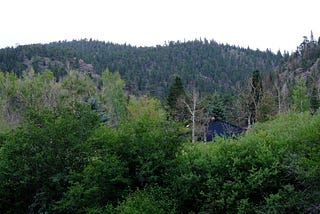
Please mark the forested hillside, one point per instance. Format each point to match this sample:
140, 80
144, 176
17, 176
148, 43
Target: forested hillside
81, 145
146, 70
74, 138
295, 83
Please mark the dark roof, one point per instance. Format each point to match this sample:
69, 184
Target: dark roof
222, 128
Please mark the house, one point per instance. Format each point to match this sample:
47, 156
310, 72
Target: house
222, 128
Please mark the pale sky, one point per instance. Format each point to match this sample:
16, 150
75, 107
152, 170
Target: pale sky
262, 24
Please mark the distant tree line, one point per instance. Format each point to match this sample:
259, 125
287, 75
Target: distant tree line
212, 66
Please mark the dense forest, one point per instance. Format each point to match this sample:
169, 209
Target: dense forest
146, 70
79, 135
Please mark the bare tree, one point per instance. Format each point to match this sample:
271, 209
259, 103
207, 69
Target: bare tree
196, 113
277, 87
247, 105
192, 110
239, 110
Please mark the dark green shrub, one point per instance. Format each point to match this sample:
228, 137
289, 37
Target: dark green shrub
274, 167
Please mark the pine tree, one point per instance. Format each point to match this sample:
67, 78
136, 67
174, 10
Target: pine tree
314, 101
300, 98
214, 106
256, 94
176, 93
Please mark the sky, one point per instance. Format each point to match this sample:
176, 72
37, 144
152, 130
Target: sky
258, 24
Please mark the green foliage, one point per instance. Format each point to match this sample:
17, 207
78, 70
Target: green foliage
151, 141
31, 91
256, 95
138, 153
61, 159
176, 90
256, 89
78, 87
113, 97
301, 102
308, 52
37, 91
214, 105
314, 100
36, 159
146, 70
102, 182
8, 100
175, 96
150, 200
267, 108
274, 168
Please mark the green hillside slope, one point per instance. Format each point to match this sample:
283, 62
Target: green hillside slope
209, 65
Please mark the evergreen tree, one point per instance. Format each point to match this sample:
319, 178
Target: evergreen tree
300, 98
214, 106
144, 69
314, 101
176, 94
256, 94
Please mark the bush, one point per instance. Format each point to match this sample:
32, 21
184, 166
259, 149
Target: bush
150, 200
274, 167
37, 158
137, 154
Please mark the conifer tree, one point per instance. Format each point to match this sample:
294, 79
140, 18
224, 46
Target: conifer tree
175, 95
300, 98
314, 101
256, 94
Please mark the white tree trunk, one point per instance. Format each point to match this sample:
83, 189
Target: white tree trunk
192, 111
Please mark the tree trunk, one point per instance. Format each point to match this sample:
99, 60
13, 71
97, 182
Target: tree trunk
193, 113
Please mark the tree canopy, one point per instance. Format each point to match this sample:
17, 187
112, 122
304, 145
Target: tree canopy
74, 140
